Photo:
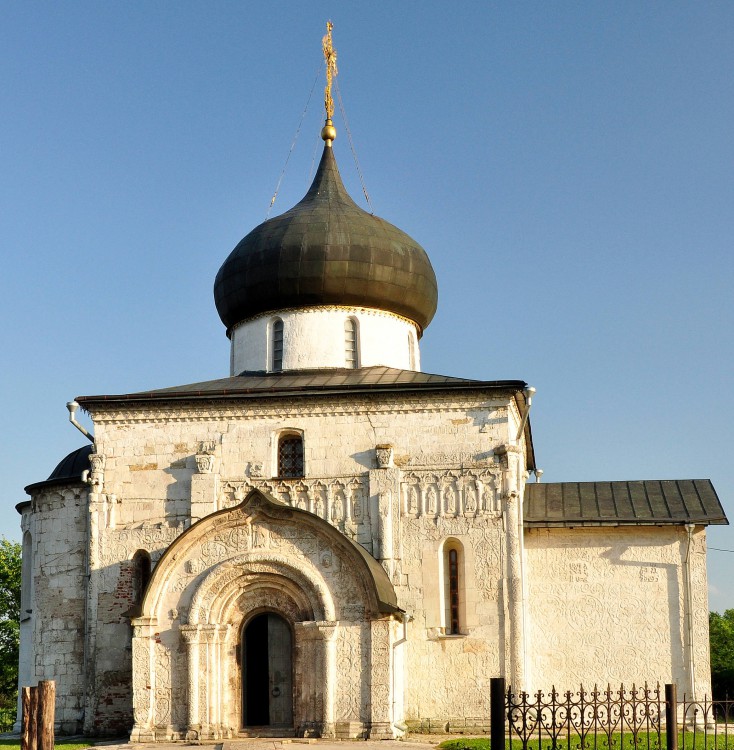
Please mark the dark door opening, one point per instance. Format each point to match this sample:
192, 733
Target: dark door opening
267, 679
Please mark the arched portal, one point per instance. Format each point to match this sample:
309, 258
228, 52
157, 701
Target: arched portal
267, 672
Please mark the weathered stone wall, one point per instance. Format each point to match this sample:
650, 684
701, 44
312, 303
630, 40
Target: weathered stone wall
58, 528
406, 478
442, 481
609, 605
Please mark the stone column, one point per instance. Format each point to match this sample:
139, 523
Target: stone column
190, 634
143, 656
224, 698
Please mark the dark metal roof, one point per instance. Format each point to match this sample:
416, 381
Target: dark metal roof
650, 502
309, 382
69, 469
326, 250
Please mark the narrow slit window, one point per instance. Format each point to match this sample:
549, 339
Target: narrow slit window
453, 592
411, 350
290, 456
351, 343
277, 345
141, 575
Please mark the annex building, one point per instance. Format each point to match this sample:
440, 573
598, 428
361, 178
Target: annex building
331, 542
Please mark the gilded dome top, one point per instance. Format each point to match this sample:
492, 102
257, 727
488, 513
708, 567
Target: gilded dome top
326, 250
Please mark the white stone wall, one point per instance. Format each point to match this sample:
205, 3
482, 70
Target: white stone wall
447, 483
313, 337
608, 605
53, 637
452, 475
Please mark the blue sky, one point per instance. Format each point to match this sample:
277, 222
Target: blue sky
569, 167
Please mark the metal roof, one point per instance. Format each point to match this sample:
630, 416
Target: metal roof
309, 382
326, 250
68, 470
653, 502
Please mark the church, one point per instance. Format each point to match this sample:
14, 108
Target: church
331, 542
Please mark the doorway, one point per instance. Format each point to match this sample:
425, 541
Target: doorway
267, 672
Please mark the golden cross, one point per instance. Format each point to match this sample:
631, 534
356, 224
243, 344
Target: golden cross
331, 71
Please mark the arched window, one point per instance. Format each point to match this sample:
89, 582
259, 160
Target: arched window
351, 343
276, 347
290, 455
141, 575
453, 587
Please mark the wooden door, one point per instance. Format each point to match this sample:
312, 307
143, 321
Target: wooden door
267, 679
280, 672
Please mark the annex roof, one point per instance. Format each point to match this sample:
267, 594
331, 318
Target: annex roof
647, 502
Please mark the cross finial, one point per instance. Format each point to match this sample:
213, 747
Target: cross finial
329, 132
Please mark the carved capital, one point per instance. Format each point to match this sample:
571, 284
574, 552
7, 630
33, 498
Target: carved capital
502, 452
190, 633
204, 463
207, 446
384, 456
315, 631
97, 462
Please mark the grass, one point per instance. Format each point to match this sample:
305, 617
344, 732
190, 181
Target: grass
601, 742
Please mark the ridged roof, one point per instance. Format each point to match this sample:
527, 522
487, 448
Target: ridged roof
653, 502
326, 251
68, 470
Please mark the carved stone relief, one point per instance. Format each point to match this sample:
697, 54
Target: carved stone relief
450, 493
340, 501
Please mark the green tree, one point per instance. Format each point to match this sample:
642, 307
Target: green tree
10, 572
721, 638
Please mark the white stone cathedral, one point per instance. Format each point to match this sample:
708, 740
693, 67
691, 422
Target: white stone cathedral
330, 542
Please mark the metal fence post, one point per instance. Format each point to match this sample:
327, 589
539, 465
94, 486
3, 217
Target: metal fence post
497, 713
671, 717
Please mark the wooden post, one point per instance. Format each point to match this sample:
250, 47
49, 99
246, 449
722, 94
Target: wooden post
671, 717
33, 720
27, 719
46, 714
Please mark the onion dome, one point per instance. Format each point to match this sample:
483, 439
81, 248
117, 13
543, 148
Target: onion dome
326, 251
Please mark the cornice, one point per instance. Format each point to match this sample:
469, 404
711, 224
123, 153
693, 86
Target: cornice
292, 407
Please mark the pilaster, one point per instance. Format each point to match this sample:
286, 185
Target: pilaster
204, 483
385, 509
380, 681
510, 456
143, 656
316, 678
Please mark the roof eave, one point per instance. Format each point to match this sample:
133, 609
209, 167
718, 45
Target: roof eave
150, 397
572, 522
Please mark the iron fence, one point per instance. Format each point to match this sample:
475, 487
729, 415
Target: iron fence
636, 718
707, 724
